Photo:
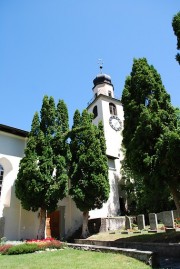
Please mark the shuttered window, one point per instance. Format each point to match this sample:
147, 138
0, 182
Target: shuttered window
1, 177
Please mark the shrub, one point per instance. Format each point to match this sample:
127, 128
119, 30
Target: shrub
51, 244
4, 248
22, 249
47, 243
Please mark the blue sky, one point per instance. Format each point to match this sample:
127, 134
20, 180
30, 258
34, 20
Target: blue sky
52, 47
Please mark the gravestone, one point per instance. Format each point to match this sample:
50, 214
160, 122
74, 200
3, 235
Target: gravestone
128, 224
141, 222
168, 219
153, 221
2, 222
160, 217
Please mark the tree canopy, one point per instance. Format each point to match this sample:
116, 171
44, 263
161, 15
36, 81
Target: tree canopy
150, 130
176, 28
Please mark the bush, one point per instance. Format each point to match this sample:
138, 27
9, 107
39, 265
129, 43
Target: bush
4, 248
22, 249
51, 244
31, 246
47, 243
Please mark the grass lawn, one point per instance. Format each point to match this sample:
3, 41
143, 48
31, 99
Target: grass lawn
70, 259
160, 237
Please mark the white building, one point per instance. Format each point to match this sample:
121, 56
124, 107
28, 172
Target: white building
17, 223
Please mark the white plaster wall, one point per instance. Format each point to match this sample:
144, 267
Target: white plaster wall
104, 89
73, 216
19, 223
11, 144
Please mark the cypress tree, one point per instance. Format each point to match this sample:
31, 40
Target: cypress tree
149, 118
176, 28
89, 169
42, 177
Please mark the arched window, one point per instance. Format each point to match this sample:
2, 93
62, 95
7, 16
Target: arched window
112, 109
95, 112
1, 177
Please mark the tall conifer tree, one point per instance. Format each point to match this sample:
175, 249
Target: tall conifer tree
42, 177
89, 169
150, 130
176, 28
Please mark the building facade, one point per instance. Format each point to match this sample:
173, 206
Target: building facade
19, 224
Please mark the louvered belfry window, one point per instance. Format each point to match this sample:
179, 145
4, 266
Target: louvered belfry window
1, 177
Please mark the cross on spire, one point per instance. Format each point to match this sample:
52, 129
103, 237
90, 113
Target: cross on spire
100, 62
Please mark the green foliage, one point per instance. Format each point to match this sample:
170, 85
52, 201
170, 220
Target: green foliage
150, 133
31, 246
22, 249
88, 167
176, 28
147, 198
42, 178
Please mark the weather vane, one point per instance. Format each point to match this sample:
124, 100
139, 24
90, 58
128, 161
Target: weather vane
100, 62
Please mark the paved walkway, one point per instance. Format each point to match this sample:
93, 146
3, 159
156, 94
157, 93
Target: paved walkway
169, 263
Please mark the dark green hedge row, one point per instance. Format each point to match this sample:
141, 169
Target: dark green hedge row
22, 249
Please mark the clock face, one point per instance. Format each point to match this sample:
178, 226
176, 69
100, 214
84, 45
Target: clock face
115, 123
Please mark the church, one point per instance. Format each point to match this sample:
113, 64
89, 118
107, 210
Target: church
19, 224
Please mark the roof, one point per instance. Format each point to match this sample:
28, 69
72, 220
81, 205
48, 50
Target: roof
102, 78
12, 130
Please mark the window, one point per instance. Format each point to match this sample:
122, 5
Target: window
95, 112
111, 163
112, 109
1, 177
109, 94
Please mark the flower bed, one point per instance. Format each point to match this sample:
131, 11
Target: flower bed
30, 246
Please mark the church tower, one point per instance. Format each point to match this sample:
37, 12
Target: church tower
109, 110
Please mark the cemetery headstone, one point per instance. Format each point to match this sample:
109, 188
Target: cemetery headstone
141, 222
168, 219
153, 221
128, 224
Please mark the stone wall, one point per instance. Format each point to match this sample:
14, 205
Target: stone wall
112, 224
106, 224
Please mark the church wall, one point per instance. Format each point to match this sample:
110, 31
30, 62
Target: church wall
72, 216
18, 223
12, 145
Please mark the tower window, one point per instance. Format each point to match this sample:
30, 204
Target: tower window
112, 109
95, 112
109, 93
1, 177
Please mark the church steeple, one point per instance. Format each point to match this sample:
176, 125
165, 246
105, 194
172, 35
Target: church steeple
103, 85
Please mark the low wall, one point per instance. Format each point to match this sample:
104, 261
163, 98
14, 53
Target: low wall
147, 257
106, 224
163, 249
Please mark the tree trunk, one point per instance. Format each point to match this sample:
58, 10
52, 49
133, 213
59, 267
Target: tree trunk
85, 230
42, 224
176, 197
